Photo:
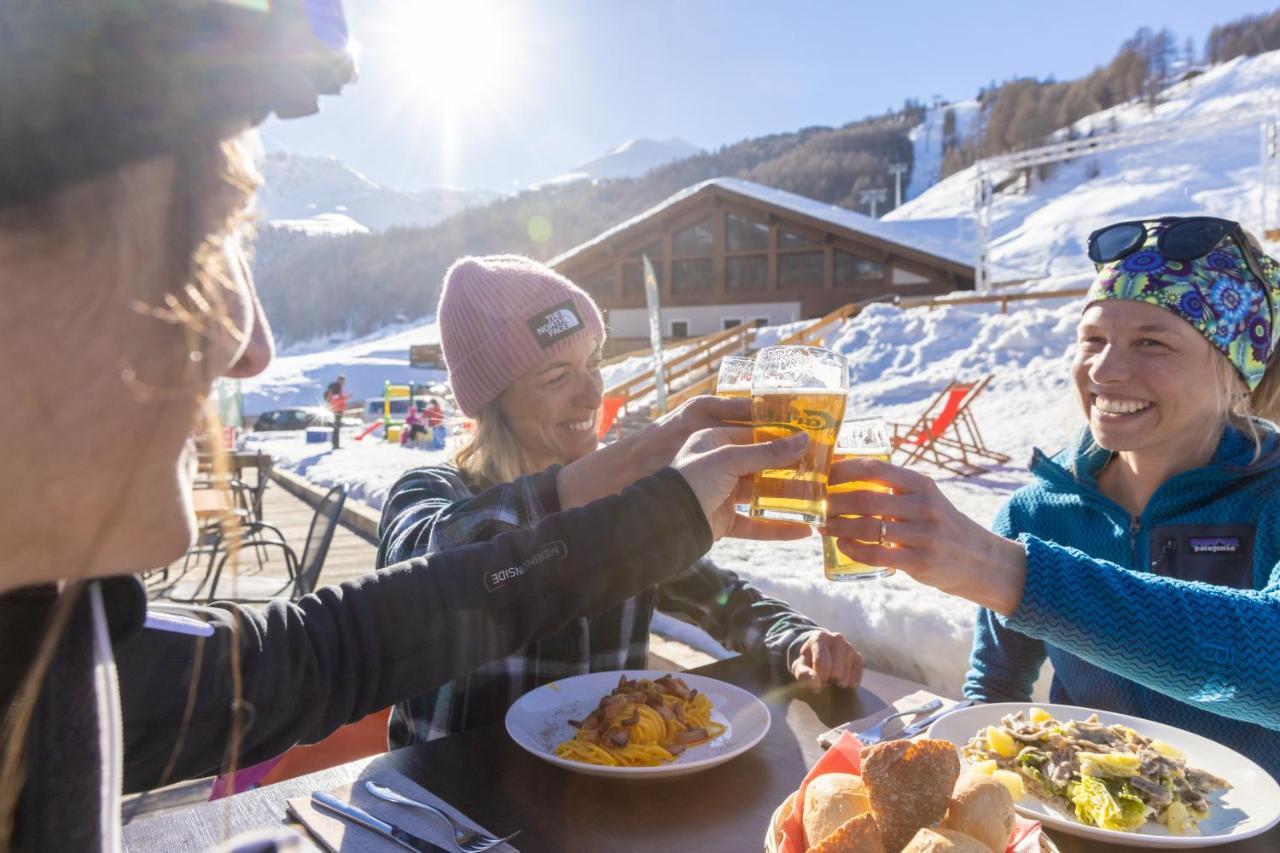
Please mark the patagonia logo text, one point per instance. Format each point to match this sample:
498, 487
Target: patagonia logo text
560, 321
496, 579
1216, 545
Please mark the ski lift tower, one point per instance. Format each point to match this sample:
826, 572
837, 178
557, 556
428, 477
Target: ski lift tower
985, 171
897, 170
873, 197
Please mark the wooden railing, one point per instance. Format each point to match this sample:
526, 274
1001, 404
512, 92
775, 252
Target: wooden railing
1004, 299
705, 353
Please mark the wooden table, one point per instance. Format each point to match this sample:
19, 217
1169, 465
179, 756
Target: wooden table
209, 504
483, 773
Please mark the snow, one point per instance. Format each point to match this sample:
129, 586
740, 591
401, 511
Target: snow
631, 159
926, 144
299, 377
1211, 168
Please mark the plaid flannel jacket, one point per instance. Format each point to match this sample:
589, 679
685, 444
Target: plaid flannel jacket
432, 509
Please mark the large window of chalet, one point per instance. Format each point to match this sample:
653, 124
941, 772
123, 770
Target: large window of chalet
694, 241
633, 268
691, 276
788, 240
744, 235
799, 270
599, 284
748, 272
851, 270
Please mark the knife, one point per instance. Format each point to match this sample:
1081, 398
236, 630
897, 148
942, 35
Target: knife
355, 814
916, 728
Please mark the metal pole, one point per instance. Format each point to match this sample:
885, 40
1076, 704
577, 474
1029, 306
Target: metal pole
1270, 150
897, 170
982, 228
655, 335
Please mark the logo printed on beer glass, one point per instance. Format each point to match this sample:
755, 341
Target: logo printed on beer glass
796, 389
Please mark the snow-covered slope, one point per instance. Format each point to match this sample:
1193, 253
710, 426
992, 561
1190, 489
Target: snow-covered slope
1211, 168
629, 160
302, 190
927, 140
298, 377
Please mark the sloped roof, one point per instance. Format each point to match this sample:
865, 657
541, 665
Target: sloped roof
937, 238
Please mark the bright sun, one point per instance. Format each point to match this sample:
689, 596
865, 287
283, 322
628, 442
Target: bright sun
458, 55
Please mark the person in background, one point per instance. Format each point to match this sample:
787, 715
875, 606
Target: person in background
136, 114
433, 413
335, 397
523, 347
1144, 560
414, 423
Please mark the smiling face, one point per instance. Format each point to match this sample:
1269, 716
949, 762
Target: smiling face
552, 409
1148, 382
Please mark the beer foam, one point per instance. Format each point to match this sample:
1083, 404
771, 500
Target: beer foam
798, 392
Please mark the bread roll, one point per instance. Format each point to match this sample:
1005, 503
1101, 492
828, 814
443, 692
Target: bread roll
937, 840
829, 801
982, 808
909, 785
858, 835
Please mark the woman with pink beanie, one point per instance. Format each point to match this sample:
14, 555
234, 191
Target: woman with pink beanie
523, 348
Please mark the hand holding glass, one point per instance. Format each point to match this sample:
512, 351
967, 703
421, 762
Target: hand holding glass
865, 438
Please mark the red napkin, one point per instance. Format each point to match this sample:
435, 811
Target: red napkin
845, 756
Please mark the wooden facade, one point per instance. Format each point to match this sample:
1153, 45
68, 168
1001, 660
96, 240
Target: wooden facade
720, 247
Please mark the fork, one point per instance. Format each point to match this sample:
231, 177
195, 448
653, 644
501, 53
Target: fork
875, 734
465, 840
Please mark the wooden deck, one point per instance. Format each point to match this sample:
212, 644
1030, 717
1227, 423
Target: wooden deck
350, 555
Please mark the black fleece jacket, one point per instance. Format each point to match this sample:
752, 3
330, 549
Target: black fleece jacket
310, 666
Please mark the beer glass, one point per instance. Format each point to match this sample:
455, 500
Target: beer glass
735, 381
796, 389
859, 438
735, 377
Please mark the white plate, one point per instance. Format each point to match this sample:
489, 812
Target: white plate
539, 720
1250, 808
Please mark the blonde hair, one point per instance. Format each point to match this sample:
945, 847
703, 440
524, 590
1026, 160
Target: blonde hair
492, 454
214, 180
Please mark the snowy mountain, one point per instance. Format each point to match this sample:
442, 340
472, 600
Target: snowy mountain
321, 195
1211, 166
927, 139
629, 160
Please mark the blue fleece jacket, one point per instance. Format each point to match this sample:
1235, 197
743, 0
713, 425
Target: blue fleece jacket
1173, 615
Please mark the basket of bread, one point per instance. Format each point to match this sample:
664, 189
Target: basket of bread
900, 795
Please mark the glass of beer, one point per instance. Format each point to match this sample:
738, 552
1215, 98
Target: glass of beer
735, 377
859, 438
735, 381
796, 389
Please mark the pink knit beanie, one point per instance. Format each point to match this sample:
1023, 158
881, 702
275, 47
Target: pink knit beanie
502, 315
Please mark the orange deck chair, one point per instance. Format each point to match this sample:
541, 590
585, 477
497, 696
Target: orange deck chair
947, 434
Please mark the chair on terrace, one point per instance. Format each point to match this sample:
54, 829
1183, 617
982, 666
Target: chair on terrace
946, 434
304, 572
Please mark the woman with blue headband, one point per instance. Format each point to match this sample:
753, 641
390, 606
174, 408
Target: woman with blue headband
1143, 561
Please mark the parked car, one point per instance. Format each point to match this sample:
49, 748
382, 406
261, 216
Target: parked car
290, 419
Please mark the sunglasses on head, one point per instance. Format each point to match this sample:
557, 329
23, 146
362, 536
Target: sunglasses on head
1183, 239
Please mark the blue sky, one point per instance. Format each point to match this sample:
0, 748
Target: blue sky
499, 94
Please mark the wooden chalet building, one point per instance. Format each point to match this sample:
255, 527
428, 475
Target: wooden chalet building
728, 251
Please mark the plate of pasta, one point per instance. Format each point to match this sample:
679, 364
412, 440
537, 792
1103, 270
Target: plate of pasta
646, 724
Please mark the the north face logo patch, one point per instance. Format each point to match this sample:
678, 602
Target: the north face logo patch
554, 324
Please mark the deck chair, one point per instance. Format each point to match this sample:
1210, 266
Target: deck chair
609, 415
947, 434
304, 571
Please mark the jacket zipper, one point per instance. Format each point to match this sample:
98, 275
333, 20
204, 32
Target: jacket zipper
1135, 527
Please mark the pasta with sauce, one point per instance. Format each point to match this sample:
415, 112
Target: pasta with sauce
642, 723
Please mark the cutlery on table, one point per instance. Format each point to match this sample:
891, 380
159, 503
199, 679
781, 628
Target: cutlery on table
355, 814
465, 840
875, 734
916, 728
